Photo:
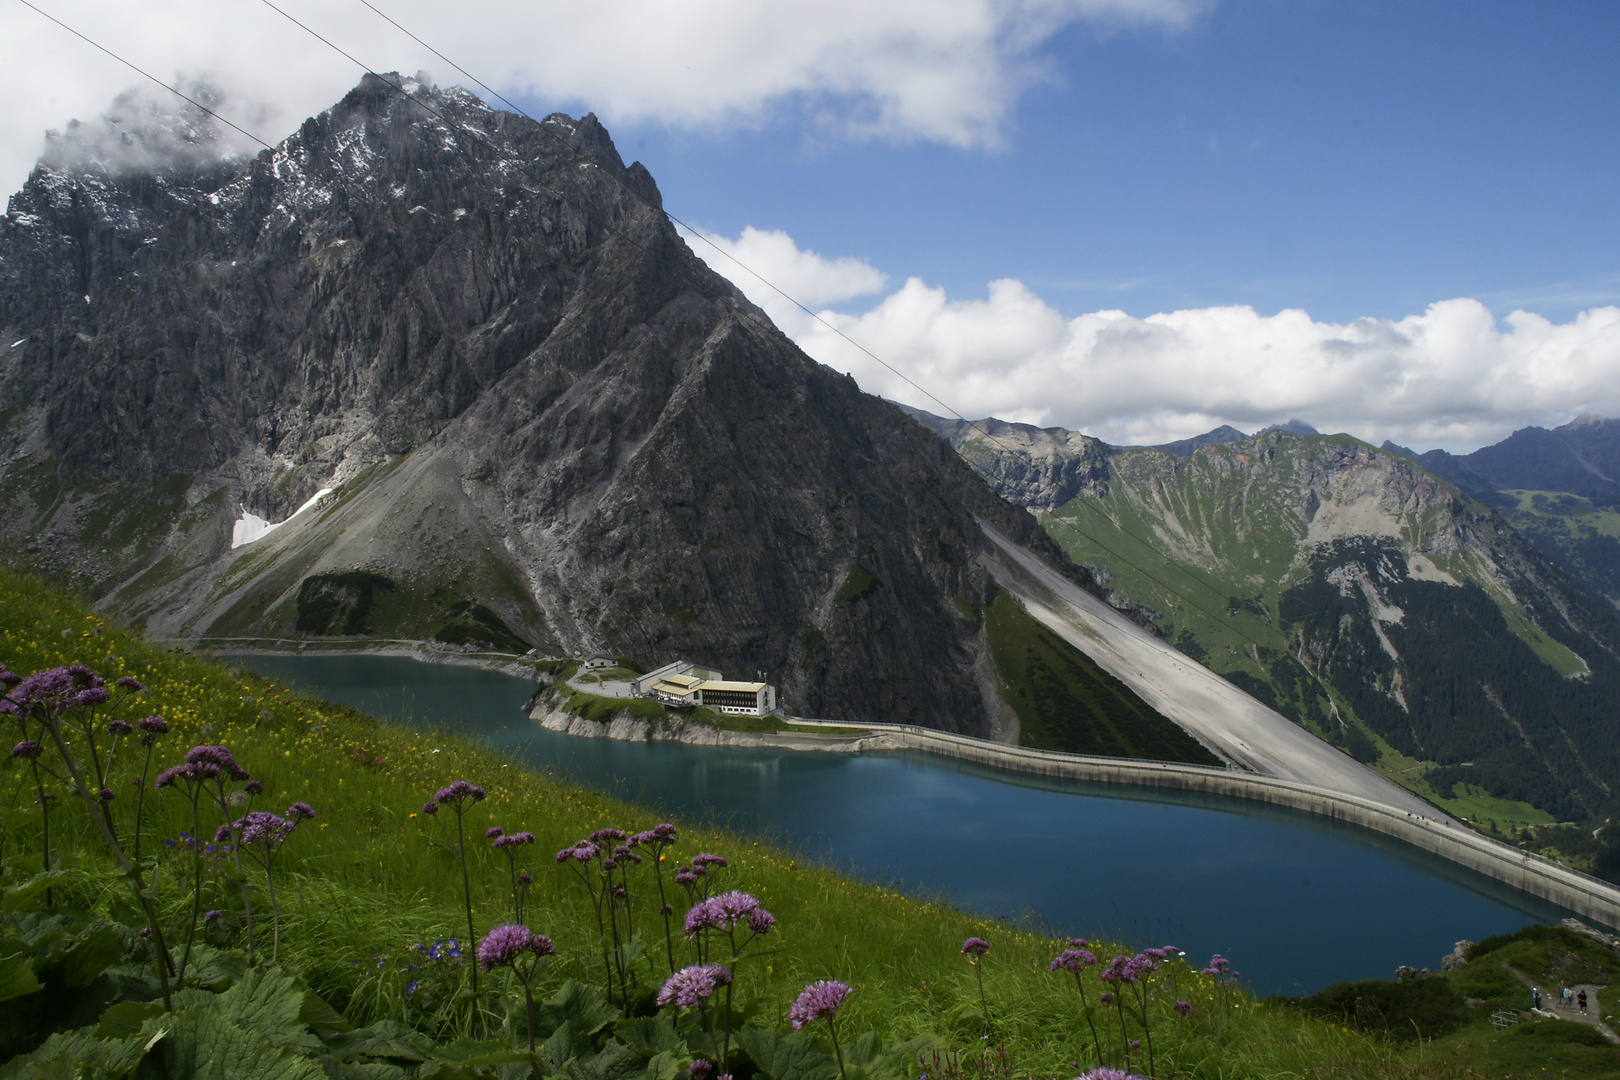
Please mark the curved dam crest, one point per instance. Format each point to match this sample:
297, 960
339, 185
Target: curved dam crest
1298, 900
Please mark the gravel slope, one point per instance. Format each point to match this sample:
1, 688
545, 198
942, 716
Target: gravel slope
1216, 713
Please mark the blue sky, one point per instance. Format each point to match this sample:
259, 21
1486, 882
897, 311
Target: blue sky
1351, 159
1140, 218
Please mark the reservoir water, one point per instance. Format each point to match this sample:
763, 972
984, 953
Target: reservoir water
1294, 900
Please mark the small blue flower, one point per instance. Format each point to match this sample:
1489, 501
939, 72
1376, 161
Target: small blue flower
411, 989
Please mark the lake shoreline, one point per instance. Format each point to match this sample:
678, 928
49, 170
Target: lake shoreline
1452, 841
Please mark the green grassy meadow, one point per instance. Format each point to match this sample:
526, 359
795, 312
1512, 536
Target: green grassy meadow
372, 876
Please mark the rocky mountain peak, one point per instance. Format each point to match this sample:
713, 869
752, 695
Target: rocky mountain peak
540, 418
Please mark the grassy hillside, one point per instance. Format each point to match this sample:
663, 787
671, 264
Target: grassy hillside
1580, 535
1066, 702
1372, 605
372, 876
1451, 1012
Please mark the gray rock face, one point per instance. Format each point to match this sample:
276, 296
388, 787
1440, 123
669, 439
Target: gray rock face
541, 416
1582, 457
1041, 468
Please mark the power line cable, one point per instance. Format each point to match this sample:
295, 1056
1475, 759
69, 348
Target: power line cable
609, 227
975, 425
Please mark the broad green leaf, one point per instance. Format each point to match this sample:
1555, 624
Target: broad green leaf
385, 1039
266, 1000
16, 978
665, 1065
30, 895
794, 1056
615, 1061
214, 969
202, 1044
584, 1007
77, 1054
563, 1046
650, 1035
126, 1018
878, 1062
96, 950
364, 1070
319, 1016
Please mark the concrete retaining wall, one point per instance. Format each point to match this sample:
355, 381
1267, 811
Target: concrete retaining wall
1587, 896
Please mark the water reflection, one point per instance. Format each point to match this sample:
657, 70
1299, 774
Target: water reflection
1298, 901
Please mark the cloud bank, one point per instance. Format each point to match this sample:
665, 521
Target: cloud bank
948, 71
1453, 376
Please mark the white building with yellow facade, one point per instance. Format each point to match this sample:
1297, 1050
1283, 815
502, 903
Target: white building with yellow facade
678, 686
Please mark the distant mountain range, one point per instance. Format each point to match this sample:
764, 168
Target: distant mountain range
1374, 603
1581, 458
1560, 488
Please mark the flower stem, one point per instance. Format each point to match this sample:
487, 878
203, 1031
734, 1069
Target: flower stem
466, 893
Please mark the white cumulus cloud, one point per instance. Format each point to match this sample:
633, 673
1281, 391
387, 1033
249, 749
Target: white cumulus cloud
767, 265
1454, 375
940, 70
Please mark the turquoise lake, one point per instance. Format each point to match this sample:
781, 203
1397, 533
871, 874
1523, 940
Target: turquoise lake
1295, 901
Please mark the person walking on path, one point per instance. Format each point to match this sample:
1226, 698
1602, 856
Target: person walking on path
1535, 998
1580, 999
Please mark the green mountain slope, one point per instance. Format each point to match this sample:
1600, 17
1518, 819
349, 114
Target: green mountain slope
1581, 535
1357, 594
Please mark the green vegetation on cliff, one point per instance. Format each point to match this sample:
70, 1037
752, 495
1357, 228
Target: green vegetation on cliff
1064, 701
372, 876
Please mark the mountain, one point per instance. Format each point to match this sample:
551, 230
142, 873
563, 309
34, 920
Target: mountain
1184, 447
1373, 603
536, 417
1581, 458
1560, 488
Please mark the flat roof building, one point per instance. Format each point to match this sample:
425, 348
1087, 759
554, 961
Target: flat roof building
675, 686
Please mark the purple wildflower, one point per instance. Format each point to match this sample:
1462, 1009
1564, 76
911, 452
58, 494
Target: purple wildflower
494, 832
119, 727
1103, 1073
601, 836
263, 828
28, 748
154, 725
1079, 943
217, 757
105, 795
505, 945
430, 807
976, 945
58, 688
761, 921
130, 683
253, 787
1073, 960
706, 860
819, 999
523, 878
700, 1069
301, 811
458, 793
211, 916
1182, 1007
692, 985
686, 877
724, 912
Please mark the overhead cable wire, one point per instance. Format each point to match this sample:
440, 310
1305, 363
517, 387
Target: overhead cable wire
975, 425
